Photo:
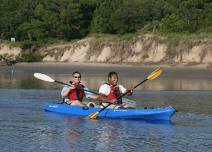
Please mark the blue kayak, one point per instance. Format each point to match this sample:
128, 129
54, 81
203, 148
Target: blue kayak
146, 114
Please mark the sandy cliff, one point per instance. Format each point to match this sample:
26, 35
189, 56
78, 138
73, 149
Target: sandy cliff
143, 49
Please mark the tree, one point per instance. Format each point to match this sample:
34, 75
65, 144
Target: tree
173, 23
33, 30
9, 18
135, 14
72, 20
101, 22
127, 18
206, 24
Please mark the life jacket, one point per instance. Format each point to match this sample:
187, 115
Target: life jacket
77, 93
115, 93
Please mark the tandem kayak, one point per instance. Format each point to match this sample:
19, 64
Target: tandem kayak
145, 114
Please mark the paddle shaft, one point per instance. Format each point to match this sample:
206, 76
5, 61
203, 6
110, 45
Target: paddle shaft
123, 95
70, 85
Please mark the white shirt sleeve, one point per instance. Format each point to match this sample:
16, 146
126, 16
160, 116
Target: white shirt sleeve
65, 87
104, 89
122, 89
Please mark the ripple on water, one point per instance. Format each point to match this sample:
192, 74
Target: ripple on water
24, 126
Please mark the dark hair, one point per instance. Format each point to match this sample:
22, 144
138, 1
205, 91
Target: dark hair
110, 74
76, 72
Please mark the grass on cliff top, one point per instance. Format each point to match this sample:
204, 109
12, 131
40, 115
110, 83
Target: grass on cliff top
28, 44
176, 36
162, 37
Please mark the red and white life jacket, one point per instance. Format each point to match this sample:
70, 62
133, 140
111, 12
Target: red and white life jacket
77, 93
115, 93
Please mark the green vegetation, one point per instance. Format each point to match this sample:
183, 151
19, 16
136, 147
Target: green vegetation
31, 57
70, 19
35, 23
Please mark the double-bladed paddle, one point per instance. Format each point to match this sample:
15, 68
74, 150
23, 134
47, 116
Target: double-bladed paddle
151, 76
47, 78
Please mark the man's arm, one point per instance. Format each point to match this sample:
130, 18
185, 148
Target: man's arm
127, 91
66, 90
104, 99
90, 95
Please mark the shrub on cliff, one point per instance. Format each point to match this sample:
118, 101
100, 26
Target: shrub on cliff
31, 57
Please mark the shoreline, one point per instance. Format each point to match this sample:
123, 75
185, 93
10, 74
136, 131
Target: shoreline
116, 65
102, 69
172, 78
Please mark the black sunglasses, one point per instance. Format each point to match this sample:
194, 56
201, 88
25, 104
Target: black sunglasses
77, 77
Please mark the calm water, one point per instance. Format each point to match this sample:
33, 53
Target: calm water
24, 126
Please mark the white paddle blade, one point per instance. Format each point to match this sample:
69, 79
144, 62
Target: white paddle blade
43, 77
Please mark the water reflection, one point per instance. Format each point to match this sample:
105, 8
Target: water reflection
28, 81
108, 135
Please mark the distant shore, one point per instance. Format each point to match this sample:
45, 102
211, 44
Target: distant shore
67, 64
90, 64
148, 50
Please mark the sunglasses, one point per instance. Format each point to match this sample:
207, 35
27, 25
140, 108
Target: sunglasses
77, 76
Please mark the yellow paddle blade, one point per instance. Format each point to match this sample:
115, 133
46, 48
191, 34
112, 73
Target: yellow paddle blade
93, 115
156, 73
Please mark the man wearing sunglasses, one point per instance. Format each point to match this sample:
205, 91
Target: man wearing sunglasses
74, 94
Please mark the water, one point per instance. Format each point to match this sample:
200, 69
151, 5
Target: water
24, 126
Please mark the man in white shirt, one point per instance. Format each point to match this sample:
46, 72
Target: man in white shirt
111, 92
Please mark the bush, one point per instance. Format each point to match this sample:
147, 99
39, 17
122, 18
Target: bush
28, 44
173, 23
31, 57
206, 30
151, 27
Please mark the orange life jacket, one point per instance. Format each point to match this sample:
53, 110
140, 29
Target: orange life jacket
77, 93
115, 93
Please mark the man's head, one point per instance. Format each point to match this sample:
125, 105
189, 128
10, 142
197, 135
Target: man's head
112, 78
76, 77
